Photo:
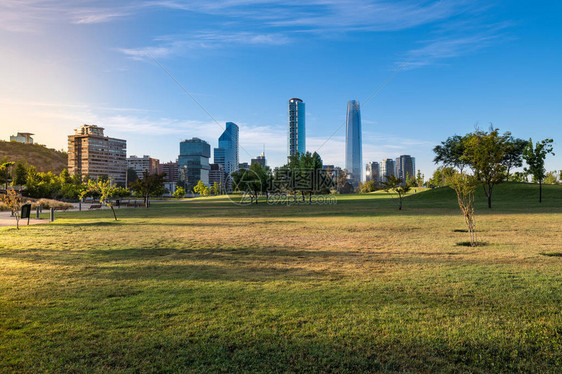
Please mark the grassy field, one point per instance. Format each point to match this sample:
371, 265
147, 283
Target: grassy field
207, 286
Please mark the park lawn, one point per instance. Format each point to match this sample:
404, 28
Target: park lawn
204, 285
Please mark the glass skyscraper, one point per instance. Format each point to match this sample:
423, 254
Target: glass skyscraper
405, 167
353, 143
387, 168
227, 154
193, 162
297, 131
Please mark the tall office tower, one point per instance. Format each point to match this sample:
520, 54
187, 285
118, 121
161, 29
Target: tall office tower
259, 160
405, 167
387, 168
193, 162
227, 154
170, 169
353, 143
141, 164
297, 129
373, 172
92, 154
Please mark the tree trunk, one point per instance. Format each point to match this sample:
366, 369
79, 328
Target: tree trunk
399, 202
540, 191
113, 211
488, 194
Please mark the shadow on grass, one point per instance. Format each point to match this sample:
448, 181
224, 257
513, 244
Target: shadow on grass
468, 244
552, 254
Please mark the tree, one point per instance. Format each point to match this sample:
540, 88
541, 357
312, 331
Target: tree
149, 185
484, 152
534, 156
450, 153
20, 175
367, 187
13, 201
419, 179
215, 189
103, 189
253, 181
513, 157
5, 176
439, 177
551, 178
132, 176
465, 185
64, 177
397, 185
518, 176
200, 188
179, 193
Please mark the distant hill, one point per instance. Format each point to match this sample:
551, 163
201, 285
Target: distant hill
506, 196
44, 159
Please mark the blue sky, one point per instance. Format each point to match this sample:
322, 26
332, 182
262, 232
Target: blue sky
437, 67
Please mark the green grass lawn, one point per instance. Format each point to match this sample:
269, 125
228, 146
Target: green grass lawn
204, 285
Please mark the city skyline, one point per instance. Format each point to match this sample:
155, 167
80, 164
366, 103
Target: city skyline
434, 68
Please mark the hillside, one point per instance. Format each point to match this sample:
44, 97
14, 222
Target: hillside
44, 159
506, 196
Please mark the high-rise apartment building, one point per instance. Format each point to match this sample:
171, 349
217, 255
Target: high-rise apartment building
171, 171
217, 175
92, 154
405, 167
193, 162
296, 142
227, 154
373, 172
142, 164
353, 143
387, 168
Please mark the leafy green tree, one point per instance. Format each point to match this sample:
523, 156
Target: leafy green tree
179, 192
450, 153
368, 186
420, 179
20, 175
132, 176
253, 181
398, 186
5, 176
65, 177
513, 156
534, 156
149, 185
484, 152
551, 178
519, 176
103, 189
200, 188
464, 186
216, 189
439, 178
